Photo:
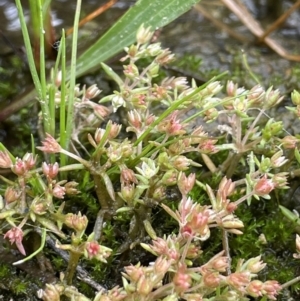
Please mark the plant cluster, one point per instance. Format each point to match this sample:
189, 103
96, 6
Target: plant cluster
166, 146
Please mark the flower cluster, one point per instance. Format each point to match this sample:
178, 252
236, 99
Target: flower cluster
174, 257
130, 166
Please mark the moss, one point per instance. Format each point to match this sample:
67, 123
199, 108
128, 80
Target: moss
4, 271
19, 286
58, 263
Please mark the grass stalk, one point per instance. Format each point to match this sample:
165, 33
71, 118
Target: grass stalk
63, 91
29, 51
71, 94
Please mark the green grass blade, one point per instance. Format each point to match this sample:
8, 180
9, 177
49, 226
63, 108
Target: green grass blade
28, 48
71, 96
63, 89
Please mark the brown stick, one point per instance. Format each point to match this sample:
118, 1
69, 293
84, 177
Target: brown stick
243, 14
279, 21
219, 24
93, 15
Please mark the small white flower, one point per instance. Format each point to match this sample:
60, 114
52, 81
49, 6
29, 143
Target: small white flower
118, 102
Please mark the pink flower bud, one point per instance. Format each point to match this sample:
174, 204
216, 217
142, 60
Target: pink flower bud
50, 170
272, 98
150, 119
134, 119
207, 146
161, 265
92, 249
76, 221
226, 188
131, 71
193, 251
144, 35
277, 160
159, 92
194, 220
165, 57
289, 142
197, 135
139, 101
15, 235
171, 83
263, 186
99, 133
135, 272
59, 191
19, 168
159, 246
170, 178
5, 161
271, 288
231, 88
29, 160
116, 294
167, 248
114, 131
181, 163
211, 279
187, 231
239, 280
182, 280
101, 111
256, 94
217, 263
11, 194
38, 207
220, 264
128, 176
144, 286
171, 125
92, 92
50, 145
231, 207
254, 288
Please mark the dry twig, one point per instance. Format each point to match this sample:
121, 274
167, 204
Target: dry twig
253, 25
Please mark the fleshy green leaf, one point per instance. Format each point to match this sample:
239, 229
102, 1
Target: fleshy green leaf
289, 214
